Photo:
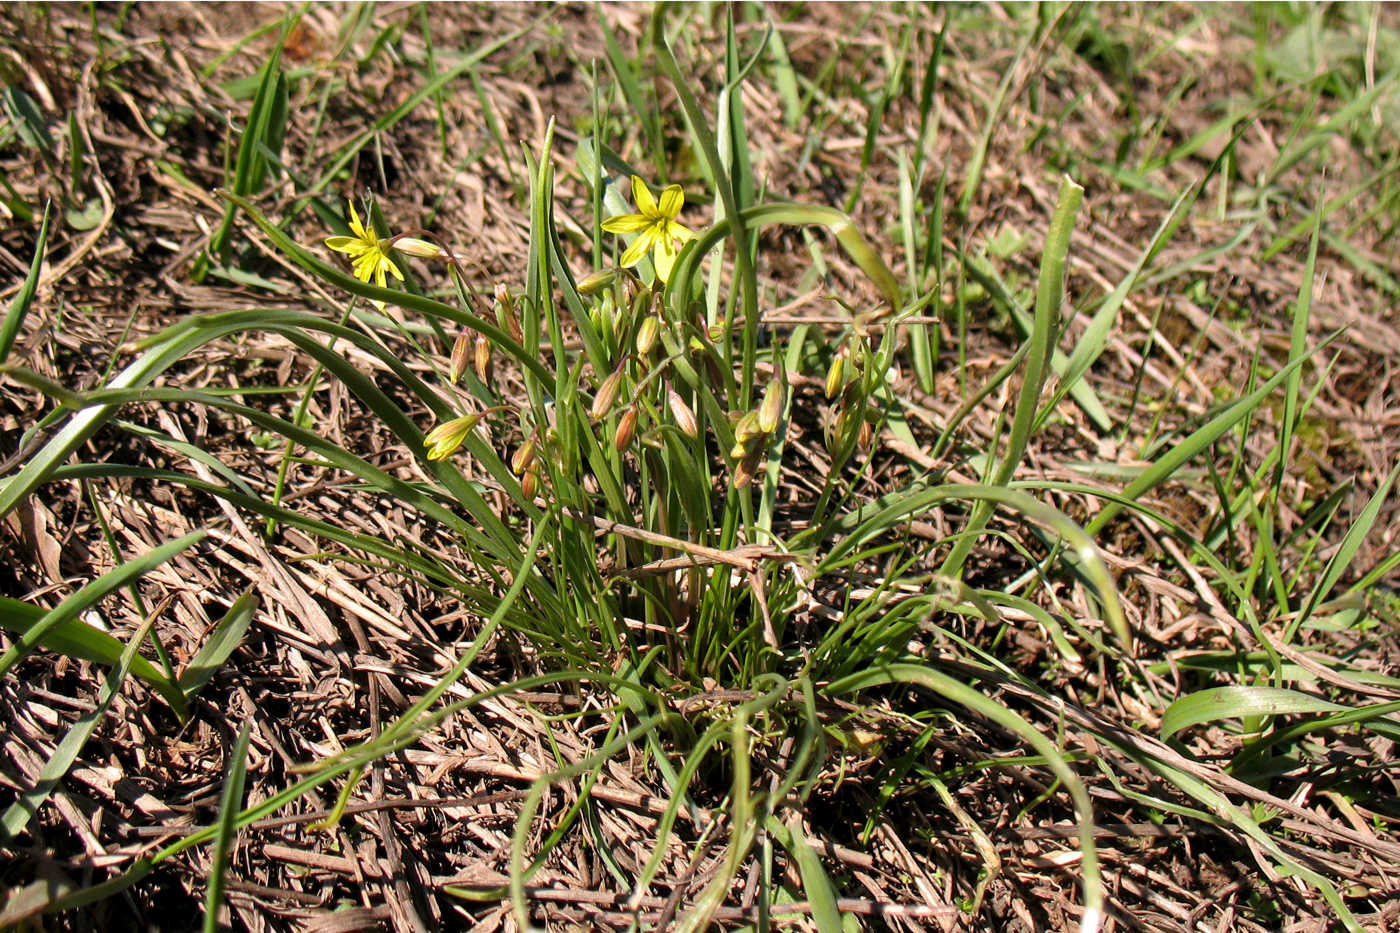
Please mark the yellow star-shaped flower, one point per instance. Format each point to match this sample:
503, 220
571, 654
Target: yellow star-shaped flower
368, 256
658, 231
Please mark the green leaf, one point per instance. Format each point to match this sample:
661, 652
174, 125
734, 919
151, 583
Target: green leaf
229, 805
1238, 702
227, 635
20, 306
28, 121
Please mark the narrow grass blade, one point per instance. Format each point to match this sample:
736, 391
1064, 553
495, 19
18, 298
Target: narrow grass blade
67, 611
227, 636
815, 882
962, 694
20, 812
1044, 331
75, 639
229, 805
1167, 465
14, 317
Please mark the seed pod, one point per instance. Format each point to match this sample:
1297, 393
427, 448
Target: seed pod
647, 334
607, 395
626, 429
524, 456
483, 359
835, 376
771, 411
685, 418
460, 351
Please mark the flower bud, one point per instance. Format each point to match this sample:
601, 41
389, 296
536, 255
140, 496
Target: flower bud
524, 456
835, 376
505, 312
483, 359
747, 428
647, 334
444, 439
685, 418
607, 395
771, 411
530, 482
412, 246
460, 350
597, 282
744, 472
626, 429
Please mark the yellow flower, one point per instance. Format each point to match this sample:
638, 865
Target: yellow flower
443, 440
656, 227
368, 256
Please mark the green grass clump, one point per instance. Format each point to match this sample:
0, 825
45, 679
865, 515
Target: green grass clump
747, 548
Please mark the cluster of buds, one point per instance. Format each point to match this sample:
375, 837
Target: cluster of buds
845, 378
752, 429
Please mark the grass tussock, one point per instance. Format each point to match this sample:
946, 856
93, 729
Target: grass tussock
832, 467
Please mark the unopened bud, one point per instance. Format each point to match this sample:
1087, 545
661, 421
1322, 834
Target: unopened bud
444, 439
747, 428
685, 418
626, 429
483, 359
413, 246
835, 376
460, 351
647, 334
597, 282
607, 395
867, 435
505, 312
530, 482
524, 456
744, 472
771, 411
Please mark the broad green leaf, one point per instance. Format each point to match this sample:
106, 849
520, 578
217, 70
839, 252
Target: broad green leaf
227, 636
1238, 702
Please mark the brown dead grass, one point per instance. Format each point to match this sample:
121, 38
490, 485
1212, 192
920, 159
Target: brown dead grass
337, 649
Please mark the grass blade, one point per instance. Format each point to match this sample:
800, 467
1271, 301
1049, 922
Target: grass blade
229, 804
14, 317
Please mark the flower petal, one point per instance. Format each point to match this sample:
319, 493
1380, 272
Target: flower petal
389, 263
664, 257
356, 227
342, 244
642, 197
672, 200
626, 223
639, 248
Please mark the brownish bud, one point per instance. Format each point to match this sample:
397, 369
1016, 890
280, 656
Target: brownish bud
747, 468
626, 429
413, 246
867, 435
505, 312
607, 395
771, 411
530, 482
460, 351
685, 418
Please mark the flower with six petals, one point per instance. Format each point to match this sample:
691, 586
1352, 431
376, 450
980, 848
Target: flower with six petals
369, 257
655, 224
